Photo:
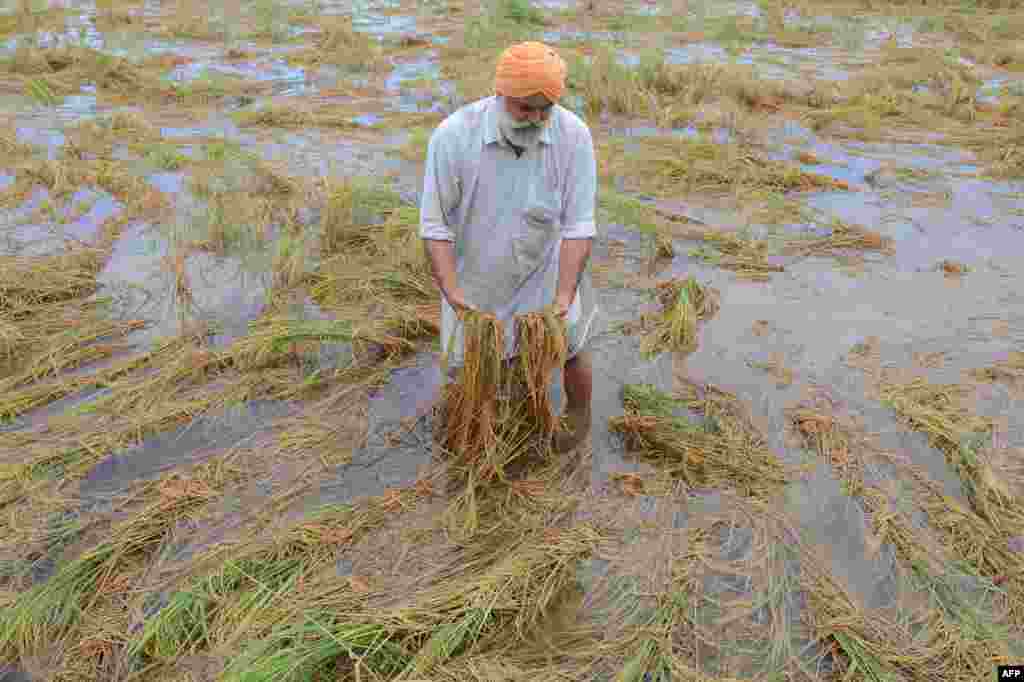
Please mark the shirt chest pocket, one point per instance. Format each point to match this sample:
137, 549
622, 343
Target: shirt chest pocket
539, 225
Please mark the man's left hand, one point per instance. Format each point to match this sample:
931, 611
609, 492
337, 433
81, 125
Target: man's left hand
562, 304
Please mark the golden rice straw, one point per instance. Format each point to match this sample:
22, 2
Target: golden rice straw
542, 348
469, 407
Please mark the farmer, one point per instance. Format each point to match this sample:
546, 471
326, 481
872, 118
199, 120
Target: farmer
507, 215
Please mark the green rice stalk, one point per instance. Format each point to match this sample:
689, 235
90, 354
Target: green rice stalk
297, 652
976, 541
183, 626
650, 662
684, 303
39, 90
448, 641
276, 339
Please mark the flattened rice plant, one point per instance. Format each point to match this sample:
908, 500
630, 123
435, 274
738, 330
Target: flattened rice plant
50, 610
966, 640
937, 411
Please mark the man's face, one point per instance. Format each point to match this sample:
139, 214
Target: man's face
525, 112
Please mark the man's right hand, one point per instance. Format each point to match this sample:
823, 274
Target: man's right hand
457, 300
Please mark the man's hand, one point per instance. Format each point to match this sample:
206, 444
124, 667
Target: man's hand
457, 300
562, 304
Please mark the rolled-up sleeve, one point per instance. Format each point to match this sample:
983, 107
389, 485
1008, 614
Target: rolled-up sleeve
440, 188
580, 189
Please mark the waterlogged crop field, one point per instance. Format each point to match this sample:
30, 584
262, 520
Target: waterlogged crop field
218, 338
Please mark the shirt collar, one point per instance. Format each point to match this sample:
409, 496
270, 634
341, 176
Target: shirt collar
491, 133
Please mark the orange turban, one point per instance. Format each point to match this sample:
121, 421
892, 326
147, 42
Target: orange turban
531, 68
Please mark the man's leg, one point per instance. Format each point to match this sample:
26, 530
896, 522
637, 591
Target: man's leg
577, 380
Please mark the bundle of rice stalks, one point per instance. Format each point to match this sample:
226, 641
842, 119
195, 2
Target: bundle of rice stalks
50, 610
724, 452
966, 636
937, 411
415, 321
469, 408
844, 236
1010, 370
184, 365
354, 283
541, 348
684, 303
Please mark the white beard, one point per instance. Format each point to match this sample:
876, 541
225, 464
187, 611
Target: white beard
519, 133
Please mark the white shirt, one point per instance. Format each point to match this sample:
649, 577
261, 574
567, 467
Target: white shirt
508, 215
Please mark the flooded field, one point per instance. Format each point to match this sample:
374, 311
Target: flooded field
219, 353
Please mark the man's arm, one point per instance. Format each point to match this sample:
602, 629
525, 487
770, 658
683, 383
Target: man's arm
441, 255
441, 194
571, 260
578, 225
